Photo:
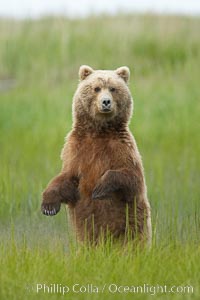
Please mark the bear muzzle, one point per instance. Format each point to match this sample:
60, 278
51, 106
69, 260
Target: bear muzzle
105, 105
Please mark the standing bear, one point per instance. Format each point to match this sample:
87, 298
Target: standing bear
102, 179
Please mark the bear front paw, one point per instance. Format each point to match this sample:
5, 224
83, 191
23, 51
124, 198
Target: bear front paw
99, 193
51, 202
50, 209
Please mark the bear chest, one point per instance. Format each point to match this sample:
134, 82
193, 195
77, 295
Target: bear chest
94, 159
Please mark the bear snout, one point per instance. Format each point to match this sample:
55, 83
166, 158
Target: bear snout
106, 104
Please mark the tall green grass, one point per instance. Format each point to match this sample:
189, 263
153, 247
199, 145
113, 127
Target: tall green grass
39, 63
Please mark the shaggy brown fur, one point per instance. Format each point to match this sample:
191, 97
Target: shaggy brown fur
102, 178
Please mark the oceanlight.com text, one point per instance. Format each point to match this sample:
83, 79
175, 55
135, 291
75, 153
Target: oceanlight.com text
112, 288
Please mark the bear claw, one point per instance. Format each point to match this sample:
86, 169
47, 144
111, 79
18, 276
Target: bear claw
98, 195
50, 209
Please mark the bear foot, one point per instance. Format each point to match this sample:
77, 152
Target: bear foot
50, 209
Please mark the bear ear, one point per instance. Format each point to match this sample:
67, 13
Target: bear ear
124, 73
85, 71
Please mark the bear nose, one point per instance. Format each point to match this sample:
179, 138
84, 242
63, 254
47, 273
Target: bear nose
106, 103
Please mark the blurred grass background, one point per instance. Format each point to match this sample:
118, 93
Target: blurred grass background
39, 62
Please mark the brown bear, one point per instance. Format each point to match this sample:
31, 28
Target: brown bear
102, 179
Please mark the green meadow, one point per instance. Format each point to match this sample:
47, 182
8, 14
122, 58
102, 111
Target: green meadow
39, 62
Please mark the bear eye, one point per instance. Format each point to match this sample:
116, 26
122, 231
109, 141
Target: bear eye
112, 89
97, 89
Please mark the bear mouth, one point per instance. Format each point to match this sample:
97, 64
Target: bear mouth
105, 110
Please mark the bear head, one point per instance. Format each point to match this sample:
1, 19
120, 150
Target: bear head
103, 98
